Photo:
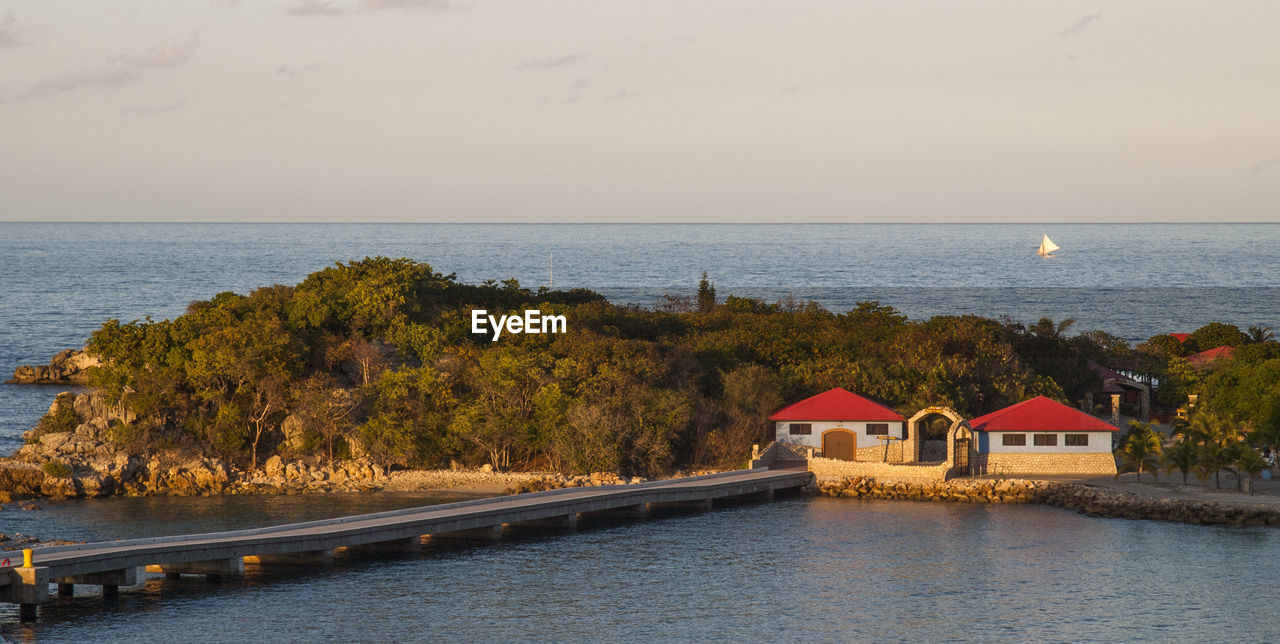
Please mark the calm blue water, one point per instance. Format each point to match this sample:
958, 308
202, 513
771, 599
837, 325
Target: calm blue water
795, 570
61, 281
820, 569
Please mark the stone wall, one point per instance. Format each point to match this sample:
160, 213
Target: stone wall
1078, 463
1087, 500
827, 469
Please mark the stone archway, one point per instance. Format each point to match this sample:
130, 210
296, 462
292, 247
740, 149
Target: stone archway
916, 431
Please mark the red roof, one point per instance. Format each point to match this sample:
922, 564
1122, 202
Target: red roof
1180, 337
1040, 415
1205, 357
837, 404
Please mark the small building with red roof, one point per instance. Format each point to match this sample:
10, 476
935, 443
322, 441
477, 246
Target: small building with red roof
840, 424
1042, 436
1205, 358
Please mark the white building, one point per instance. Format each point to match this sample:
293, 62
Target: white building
1041, 436
841, 425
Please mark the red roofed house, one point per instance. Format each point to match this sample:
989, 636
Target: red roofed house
1206, 358
841, 424
1040, 436
1180, 337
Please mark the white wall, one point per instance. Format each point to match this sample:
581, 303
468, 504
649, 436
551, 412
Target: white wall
991, 442
783, 432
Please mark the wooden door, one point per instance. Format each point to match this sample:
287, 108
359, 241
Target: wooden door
840, 444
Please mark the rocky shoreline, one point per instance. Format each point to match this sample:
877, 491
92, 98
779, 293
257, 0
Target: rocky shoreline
1085, 499
69, 367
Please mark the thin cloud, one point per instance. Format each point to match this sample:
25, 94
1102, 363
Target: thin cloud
316, 8
111, 78
1082, 24
152, 110
1265, 165
435, 5
286, 70
339, 8
10, 32
552, 62
121, 70
163, 56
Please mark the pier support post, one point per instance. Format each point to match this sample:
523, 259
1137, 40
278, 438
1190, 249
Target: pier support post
491, 533
699, 504
66, 590
307, 558
638, 511
567, 522
109, 579
407, 544
212, 569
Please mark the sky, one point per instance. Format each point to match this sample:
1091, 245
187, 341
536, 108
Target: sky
732, 111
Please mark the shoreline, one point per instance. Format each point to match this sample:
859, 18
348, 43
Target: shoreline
1112, 499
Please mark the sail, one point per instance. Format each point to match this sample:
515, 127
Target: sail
1046, 247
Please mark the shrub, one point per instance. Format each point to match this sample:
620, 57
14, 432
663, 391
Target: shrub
56, 469
63, 418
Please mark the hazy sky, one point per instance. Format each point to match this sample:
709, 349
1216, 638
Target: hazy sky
591, 110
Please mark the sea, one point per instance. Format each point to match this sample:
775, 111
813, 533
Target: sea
795, 570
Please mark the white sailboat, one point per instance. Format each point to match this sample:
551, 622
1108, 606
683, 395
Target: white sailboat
1047, 247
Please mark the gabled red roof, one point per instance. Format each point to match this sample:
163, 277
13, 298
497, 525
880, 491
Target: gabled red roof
1205, 357
1180, 337
837, 404
1040, 415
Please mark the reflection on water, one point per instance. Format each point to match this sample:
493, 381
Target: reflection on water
799, 569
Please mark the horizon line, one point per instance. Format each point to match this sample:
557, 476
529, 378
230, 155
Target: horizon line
652, 223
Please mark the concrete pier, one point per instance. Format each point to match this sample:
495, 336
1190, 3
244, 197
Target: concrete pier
115, 563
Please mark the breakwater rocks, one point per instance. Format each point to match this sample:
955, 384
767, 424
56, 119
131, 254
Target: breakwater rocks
545, 482
69, 367
1085, 499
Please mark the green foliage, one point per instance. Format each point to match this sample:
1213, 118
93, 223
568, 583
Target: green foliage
62, 418
706, 294
1141, 449
1217, 334
376, 357
56, 469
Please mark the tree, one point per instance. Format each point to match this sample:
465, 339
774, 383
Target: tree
267, 400
1260, 334
706, 294
1217, 334
1249, 461
1181, 455
326, 408
1141, 448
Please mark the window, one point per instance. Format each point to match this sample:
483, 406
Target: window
874, 429
1077, 440
1046, 440
1013, 439
801, 429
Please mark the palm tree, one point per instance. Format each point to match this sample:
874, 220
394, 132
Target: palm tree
1261, 334
1249, 461
1180, 456
1141, 449
1210, 461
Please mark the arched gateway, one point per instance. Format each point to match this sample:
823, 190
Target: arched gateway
958, 438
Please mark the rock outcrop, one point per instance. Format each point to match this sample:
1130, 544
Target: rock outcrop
69, 367
89, 462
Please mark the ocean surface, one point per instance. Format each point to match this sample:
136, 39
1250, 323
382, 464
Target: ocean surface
62, 281
821, 569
